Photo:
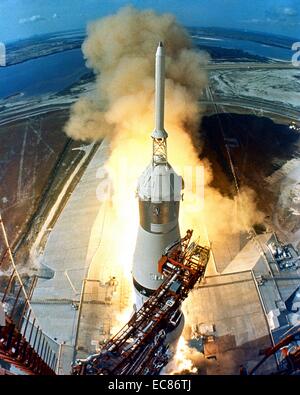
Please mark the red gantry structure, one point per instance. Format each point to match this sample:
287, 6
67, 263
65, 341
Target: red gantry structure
141, 346
290, 354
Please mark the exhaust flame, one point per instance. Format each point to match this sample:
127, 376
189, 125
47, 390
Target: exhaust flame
181, 362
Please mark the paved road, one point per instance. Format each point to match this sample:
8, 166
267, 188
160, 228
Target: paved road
261, 106
249, 66
21, 114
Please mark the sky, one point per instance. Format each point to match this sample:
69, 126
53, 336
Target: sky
24, 18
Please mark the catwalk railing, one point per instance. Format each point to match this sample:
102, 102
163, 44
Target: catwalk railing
23, 344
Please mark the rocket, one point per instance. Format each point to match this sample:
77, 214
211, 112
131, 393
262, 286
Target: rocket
159, 193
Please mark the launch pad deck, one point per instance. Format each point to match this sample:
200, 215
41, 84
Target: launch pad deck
231, 303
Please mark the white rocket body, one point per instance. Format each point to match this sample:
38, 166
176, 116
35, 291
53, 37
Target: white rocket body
159, 194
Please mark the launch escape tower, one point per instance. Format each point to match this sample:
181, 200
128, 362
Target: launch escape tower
159, 135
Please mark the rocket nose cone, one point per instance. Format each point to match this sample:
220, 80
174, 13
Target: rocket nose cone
160, 49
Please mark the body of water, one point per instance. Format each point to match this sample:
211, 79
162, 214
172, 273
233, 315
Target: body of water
46, 74
251, 47
53, 73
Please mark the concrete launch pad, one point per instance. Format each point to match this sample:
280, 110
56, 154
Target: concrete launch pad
246, 305
230, 303
68, 252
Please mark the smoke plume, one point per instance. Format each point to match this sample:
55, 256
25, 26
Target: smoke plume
120, 49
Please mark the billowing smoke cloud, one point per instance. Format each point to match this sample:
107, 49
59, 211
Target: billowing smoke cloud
121, 49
